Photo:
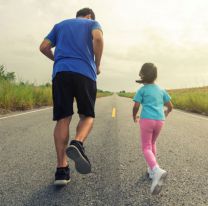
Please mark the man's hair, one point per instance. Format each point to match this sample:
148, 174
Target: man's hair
148, 73
84, 12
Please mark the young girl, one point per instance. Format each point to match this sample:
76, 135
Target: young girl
152, 98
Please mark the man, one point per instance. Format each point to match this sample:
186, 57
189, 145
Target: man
78, 46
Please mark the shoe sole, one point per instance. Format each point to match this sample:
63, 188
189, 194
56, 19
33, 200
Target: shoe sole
61, 182
158, 187
81, 164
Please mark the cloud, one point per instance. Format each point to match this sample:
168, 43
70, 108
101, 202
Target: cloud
171, 34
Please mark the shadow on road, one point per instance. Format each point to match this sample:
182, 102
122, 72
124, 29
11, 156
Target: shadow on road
50, 195
140, 193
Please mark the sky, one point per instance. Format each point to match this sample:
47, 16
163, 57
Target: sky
172, 34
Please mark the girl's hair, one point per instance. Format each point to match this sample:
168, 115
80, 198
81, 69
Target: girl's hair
148, 73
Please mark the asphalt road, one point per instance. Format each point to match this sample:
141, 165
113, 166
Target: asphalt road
118, 178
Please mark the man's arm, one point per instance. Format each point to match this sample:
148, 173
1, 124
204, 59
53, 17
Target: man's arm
97, 47
45, 48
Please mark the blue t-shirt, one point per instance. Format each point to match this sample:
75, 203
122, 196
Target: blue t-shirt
152, 98
74, 46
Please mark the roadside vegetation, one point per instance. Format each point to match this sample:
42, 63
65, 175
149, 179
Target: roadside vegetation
126, 94
101, 93
192, 100
21, 95
24, 95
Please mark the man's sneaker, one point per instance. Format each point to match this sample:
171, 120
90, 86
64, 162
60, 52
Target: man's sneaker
76, 152
149, 173
62, 176
159, 176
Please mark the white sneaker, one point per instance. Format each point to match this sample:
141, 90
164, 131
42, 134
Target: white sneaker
150, 173
159, 176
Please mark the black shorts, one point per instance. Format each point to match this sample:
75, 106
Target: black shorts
70, 85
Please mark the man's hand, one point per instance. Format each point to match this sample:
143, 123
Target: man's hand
45, 48
98, 70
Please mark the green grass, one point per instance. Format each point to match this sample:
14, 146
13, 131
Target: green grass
103, 93
192, 100
24, 96
15, 96
126, 94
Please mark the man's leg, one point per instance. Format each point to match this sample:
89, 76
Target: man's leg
76, 150
85, 94
83, 128
61, 139
63, 96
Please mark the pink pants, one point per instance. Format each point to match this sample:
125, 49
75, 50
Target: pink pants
150, 130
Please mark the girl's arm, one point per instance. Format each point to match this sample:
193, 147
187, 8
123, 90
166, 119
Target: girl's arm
169, 106
135, 111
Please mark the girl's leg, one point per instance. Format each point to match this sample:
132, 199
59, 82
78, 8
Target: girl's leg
146, 130
156, 132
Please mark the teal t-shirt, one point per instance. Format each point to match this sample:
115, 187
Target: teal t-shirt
152, 98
